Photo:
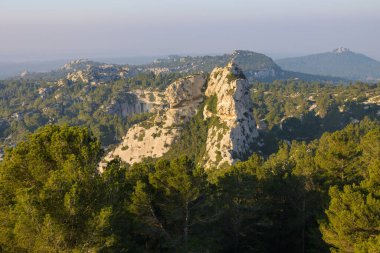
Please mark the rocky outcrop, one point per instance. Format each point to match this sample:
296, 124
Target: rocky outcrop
185, 91
233, 129
91, 72
78, 76
153, 138
228, 110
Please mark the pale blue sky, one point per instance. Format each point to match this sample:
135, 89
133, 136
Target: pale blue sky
41, 29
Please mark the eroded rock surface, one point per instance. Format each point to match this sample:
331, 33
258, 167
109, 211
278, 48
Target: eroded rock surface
153, 138
233, 129
135, 102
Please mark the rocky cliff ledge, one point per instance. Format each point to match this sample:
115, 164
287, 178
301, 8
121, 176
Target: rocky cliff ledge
135, 102
154, 137
232, 129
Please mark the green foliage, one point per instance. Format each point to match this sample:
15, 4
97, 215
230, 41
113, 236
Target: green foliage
211, 103
54, 199
138, 118
303, 111
168, 203
353, 218
340, 154
354, 210
26, 105
141, 136
193, 139
231, 77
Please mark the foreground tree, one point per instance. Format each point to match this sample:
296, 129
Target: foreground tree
50, 193
353, 220
353, 216
170, 204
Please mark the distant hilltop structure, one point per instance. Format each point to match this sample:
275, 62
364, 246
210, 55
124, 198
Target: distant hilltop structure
341, 50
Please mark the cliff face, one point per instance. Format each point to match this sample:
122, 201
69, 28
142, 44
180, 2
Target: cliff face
136, 101
154, 137
233, 129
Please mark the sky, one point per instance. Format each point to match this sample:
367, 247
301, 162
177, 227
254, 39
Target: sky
57, 29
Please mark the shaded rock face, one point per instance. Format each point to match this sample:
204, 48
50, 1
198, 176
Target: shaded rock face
185, 91
154, 137
233, 129
126, 105
135, 102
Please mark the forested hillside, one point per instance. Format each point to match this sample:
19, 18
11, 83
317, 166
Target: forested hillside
306, 197
26, 105
287, 108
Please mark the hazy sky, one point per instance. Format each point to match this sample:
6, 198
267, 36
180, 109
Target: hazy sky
51, 29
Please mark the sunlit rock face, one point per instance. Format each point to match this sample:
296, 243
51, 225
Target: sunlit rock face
233, 129
154, 137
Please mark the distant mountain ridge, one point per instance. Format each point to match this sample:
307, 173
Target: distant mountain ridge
255, 66
340, 62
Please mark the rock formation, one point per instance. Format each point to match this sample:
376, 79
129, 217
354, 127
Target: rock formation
93, 72
233, 129
153, 138
228, 110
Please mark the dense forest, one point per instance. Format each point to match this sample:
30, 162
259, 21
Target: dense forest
306, 197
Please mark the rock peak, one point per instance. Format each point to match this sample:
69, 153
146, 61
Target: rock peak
233, 129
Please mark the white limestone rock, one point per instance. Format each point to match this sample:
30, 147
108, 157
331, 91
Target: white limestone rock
153, 138
233, 129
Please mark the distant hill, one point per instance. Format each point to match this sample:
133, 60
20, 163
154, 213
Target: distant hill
255, 66
9, 69
341, 62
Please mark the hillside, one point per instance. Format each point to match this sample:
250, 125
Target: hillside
256, 66
340, 62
